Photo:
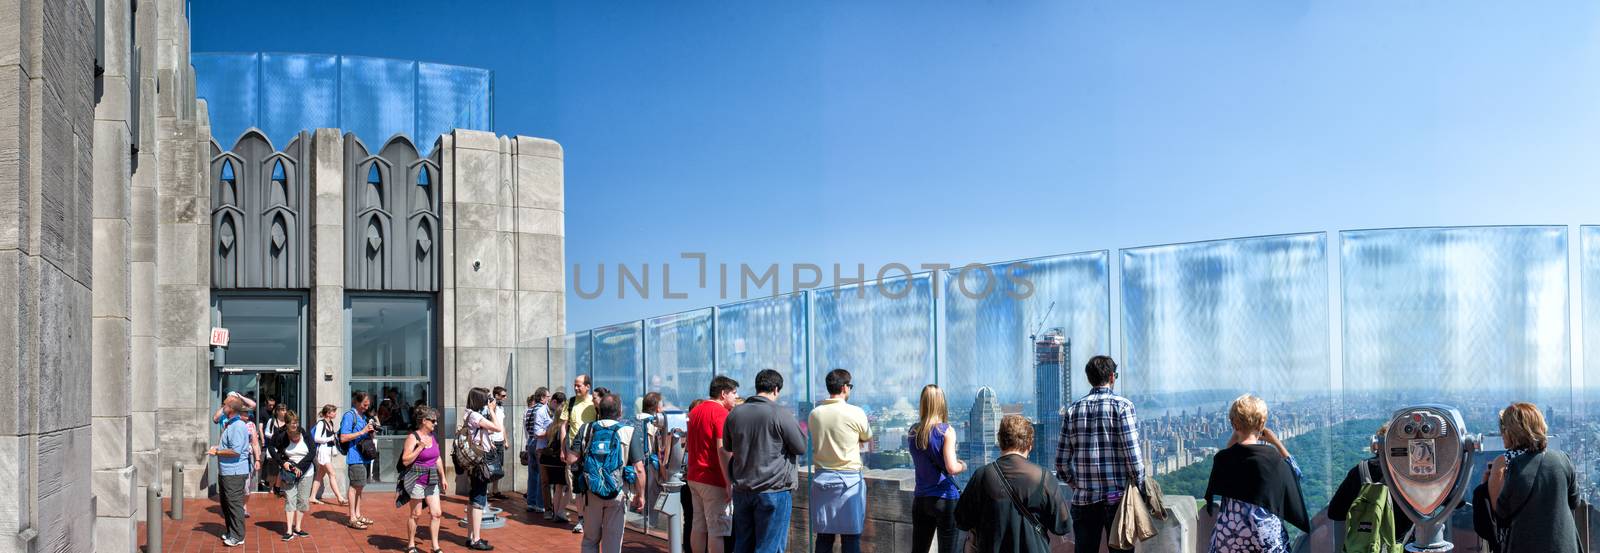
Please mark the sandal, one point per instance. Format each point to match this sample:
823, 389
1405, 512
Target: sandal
356, 524
412, 549
366, 521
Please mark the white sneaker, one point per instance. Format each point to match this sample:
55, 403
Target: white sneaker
578, 528
232, 542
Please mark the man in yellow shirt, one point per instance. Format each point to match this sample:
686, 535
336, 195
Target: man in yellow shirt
838, 494
580, 411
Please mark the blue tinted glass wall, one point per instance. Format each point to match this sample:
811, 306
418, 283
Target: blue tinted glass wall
282, 94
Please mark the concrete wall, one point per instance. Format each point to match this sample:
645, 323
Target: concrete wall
183, 268
47, 118
115, 481
503, 270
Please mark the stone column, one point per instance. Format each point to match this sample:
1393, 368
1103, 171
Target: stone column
183, 265
47, 110
541, 262
143, 212
114, 477
326, 332
480, 280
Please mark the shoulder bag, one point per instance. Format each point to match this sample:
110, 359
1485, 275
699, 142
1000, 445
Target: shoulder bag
1041, 541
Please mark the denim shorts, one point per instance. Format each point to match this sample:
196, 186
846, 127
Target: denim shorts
478, 491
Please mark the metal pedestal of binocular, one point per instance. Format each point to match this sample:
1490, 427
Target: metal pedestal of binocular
1427, 459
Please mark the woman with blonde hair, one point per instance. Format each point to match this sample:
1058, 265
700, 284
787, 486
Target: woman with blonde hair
1259, 483
1532, 488
932, 443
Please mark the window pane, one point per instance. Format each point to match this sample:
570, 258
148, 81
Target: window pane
883, 335
617, 353
263, 331
990, 320
391, 337
678, 362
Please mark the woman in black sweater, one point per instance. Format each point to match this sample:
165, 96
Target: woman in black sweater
1532, 489
1012, 505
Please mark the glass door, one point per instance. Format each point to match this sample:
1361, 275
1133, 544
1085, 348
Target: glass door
265, 354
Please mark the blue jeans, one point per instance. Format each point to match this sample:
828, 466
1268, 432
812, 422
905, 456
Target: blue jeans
535, 495
761, 521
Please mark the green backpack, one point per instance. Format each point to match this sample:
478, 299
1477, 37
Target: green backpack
1370, 527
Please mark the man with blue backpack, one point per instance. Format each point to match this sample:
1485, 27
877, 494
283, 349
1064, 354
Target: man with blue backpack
611, 454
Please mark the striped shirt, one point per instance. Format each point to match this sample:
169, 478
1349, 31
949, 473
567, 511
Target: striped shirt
1099, 448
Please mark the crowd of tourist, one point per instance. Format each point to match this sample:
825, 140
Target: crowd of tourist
740, 459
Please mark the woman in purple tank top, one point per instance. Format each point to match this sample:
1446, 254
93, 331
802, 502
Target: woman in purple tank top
933, 452
422, 480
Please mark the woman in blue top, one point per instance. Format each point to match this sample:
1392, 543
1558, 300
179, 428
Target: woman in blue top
933, 451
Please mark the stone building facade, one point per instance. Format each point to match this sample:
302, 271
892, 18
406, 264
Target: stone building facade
128, 232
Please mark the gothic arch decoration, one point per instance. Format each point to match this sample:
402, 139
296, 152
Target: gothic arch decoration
391, 217
258, 221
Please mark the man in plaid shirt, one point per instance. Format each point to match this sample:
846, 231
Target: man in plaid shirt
1098, 455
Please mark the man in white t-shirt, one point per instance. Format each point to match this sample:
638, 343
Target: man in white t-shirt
499, 438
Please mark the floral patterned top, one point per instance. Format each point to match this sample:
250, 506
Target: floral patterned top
1243, 527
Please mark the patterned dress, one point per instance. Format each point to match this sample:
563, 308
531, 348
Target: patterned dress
1243, 527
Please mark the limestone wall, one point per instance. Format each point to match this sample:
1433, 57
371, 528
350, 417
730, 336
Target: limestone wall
503, 278
47, 119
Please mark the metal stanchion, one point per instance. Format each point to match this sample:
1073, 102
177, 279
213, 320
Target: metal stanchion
177, 491
152, 519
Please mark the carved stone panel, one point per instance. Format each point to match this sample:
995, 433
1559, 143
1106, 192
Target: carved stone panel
260, 225
391, 217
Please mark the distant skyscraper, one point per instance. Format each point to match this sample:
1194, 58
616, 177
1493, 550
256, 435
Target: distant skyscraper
983, 422
1052, 388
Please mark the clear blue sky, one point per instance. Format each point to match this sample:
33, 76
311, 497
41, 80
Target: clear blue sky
956, 131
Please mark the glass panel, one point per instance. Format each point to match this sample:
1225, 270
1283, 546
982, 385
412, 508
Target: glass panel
767, 333
992, 319
882, 334
571, 358
231, 86
1203, 323
456, 98
377, 98
678, 357
1472, 317
391, 337
263, 331
1585, 446
617, 354
298, 92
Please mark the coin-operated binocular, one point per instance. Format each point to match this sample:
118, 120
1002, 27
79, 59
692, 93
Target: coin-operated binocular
1427, 463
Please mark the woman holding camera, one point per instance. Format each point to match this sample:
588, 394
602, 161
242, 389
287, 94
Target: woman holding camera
422, 481
292, 457
481, 423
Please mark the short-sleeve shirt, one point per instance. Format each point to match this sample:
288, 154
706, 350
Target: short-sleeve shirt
837, 430
352, 423
700, 446
478, 433
235, 438
582, 412
499, 415
537, 420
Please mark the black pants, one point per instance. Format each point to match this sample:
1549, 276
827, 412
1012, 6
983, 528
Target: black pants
1091, 524
848, 543
233, 504
930, 515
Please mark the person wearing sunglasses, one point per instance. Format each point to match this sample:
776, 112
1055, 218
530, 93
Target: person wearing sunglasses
421, 480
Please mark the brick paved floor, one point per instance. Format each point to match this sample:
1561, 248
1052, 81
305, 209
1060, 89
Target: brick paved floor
202, 525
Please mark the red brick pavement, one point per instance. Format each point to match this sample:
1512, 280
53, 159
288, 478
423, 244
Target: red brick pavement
201, 528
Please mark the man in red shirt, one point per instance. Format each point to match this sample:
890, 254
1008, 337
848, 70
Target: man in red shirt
707, 470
